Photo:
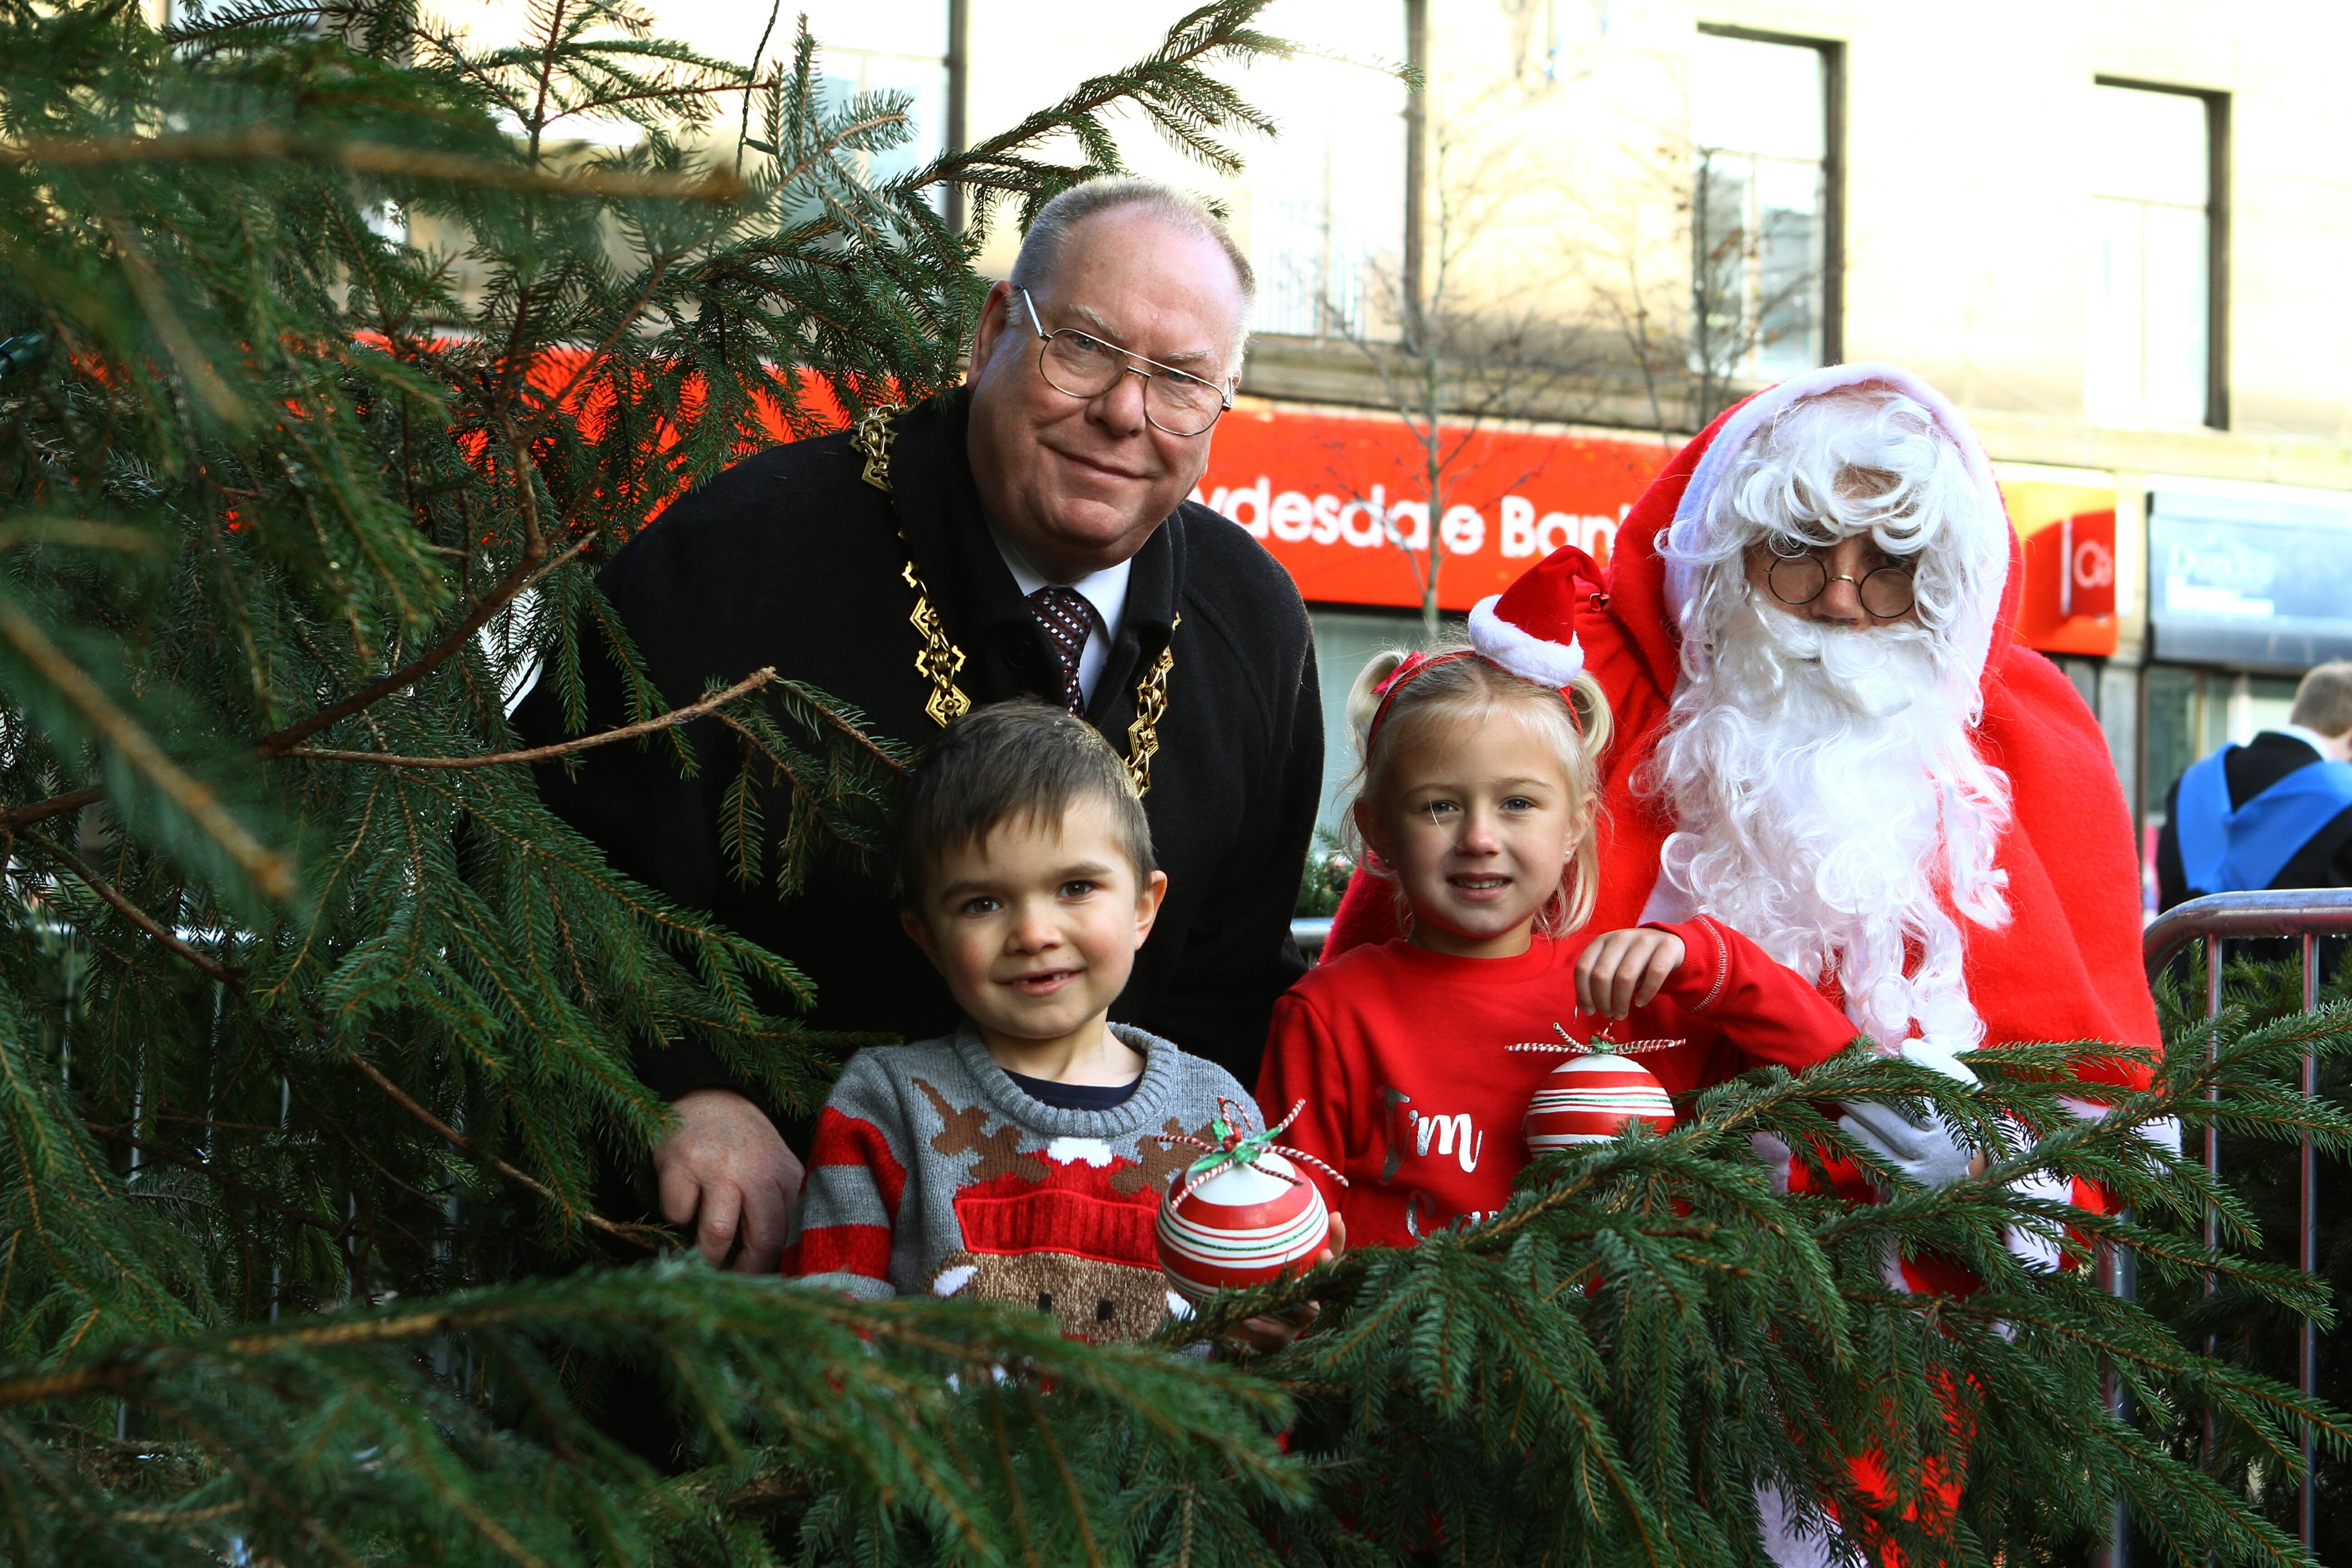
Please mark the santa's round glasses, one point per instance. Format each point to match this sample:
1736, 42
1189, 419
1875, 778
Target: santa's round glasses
1079, 365
1800, 573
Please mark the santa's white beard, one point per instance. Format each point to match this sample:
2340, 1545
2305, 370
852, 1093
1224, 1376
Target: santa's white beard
1827, 800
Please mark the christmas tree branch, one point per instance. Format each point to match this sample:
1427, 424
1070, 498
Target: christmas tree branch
717, 700
652, 1238
271, 871
267, 144
226, 973
280, 743
526, 572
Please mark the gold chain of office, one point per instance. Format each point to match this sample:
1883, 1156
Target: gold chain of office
938, 661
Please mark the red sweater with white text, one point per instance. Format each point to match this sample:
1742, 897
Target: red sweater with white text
1402, 1057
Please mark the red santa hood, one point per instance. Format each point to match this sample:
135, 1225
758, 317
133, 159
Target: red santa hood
1982, 532
2066, 965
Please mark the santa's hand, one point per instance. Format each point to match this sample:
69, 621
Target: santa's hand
1925, 1150
1622, 970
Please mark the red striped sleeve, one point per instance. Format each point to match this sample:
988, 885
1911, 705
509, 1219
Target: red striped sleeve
842, 1249
852, 1140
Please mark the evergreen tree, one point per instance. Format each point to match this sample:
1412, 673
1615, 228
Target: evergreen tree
330, 371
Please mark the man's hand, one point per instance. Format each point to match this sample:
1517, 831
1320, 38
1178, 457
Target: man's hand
1622, 970
726, 1170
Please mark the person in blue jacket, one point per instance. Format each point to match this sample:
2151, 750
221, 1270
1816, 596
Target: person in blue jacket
2274, 813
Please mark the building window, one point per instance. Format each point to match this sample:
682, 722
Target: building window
882, 45
1327, 197
1766, 124
2159, 255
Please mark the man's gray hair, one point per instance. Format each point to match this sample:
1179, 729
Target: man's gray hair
1042, 248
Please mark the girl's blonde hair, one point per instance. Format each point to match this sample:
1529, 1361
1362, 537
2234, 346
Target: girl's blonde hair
1460, 686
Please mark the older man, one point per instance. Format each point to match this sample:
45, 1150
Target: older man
1026, 533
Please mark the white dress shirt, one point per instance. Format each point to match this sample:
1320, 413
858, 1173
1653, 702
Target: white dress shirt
1105, 590
2309, 737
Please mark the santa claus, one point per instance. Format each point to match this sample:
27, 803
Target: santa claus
1831, 741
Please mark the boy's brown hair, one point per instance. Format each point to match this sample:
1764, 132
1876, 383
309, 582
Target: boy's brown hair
1021, 760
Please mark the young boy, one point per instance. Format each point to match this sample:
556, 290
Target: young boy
1023, 1158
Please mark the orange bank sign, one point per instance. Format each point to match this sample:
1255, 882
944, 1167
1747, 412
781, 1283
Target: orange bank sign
1342, 501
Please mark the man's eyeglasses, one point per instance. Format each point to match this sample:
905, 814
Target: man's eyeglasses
1079, 365
1800, 573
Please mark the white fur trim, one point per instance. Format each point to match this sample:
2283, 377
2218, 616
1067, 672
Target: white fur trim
1988, 536
1523, 654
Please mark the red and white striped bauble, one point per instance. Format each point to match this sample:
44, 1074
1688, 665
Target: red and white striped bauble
1241, 1226
1591, 1099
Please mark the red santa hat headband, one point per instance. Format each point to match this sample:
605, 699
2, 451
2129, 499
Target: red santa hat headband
1529, 628
1985, 534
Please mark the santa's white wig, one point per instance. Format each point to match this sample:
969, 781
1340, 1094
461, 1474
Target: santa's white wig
1796, 439
1828, 800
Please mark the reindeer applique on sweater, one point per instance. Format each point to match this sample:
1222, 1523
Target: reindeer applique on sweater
933, 1172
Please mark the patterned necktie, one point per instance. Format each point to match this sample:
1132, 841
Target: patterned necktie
1069, 621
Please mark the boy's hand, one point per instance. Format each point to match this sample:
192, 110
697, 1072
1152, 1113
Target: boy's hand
1622, 970
1266, 1335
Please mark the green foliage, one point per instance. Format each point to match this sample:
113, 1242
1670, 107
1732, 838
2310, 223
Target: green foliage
330, 370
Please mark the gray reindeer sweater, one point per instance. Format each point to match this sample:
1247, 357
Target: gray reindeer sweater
932, 1170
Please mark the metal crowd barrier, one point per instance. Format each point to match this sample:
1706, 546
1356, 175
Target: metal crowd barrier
2307, 914
1310, 935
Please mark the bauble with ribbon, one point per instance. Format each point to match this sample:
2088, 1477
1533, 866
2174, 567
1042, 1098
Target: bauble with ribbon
1240, 1214
1596, 1094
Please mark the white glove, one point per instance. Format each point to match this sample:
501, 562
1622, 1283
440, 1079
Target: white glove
1924, 1151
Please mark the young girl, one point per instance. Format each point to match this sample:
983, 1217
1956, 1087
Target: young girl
1477, 800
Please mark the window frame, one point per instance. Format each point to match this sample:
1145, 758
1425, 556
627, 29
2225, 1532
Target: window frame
1833, 118
957, 135
2217, 234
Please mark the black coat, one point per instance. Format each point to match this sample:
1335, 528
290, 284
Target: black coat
2325, 861
790, 558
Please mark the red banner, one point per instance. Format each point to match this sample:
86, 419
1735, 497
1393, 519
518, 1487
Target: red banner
1342, 501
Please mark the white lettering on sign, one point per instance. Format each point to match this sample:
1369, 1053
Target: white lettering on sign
1371, 520
1525, 536
1463, 530
1293, 517
1258, 498
2094, 565
1408, 523
1520, 526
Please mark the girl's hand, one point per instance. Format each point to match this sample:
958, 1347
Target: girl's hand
1266, 1335
1622, 970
